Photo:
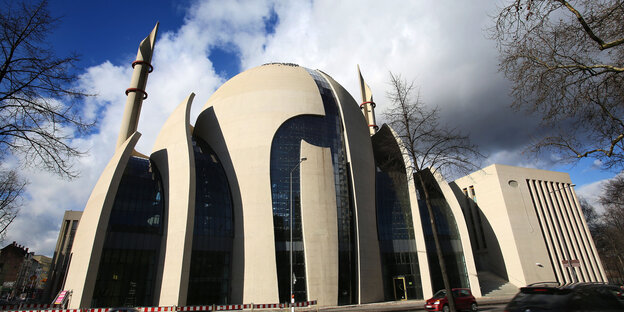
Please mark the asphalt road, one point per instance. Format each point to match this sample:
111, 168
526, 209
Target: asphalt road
488, 308
485, 304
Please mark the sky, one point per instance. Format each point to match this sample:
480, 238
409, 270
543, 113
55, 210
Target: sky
441, 45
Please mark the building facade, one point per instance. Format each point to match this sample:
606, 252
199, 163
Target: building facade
280, 163
527, 226
42, 273
12, 257
61, 257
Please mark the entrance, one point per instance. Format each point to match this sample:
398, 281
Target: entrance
400, 291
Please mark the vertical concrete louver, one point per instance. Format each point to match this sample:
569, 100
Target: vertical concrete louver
565, 232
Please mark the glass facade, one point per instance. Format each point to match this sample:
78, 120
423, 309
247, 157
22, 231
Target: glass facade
448, 235
325, 131
213, 232
128, 265
395, 227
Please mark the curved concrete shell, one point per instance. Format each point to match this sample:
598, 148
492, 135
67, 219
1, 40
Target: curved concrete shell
207, 218
241, 122
87, 250
392, 159
463, 233
173, 155
361, 159
248, 110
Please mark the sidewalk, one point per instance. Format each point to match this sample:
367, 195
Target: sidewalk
398, 305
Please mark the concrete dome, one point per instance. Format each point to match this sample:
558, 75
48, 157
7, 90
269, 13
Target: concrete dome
260, 123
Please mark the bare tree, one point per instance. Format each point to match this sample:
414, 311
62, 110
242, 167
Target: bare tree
429, 145
613, 193
39, 106
39, 114
612, 226
592, 218
11, 188
565, 60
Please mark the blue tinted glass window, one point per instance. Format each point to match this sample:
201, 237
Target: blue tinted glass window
213, 232
325, 131
448, 235
128, 265
397, 243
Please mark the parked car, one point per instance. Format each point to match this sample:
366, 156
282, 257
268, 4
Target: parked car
618, 291
464, 300
553, 297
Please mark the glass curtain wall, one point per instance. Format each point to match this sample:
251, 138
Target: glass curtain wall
213, 232
397, 242
448, 236
127, 271
324, 131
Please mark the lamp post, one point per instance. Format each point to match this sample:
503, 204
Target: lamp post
290, 213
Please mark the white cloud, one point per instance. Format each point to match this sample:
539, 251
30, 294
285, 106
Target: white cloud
591, 192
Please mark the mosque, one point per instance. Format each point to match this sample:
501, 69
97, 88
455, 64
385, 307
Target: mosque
284, 187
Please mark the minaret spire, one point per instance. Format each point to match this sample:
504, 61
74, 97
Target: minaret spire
367, 106
136, 92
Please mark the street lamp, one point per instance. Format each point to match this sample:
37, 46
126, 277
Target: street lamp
290, 213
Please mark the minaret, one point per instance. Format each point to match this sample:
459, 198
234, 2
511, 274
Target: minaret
367, 106
136, 93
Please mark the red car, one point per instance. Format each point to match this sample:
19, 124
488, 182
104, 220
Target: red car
464, 300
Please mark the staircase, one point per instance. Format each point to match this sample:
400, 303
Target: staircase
494, 286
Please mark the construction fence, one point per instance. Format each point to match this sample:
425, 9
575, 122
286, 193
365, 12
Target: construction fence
228, 307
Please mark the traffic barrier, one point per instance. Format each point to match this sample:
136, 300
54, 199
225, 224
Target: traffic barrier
26, 306
155, 309
73, 310
228, 307
268, 305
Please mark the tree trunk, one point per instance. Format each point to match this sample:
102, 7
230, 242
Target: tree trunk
434, 229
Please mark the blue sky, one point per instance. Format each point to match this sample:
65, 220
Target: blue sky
439, 44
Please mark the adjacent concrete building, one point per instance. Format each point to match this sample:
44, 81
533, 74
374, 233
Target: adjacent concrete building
527, 226
61, 257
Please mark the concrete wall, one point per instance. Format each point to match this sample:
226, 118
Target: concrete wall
319, 226
362, 165
466, 247
173, 155
249, 109
536, 218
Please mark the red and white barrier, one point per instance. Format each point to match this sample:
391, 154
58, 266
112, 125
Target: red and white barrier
156, 309
268, 306
26, 307
229, 307
73, 310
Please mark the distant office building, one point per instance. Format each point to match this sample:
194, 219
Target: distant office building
526, 226
206, 217
62, 254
